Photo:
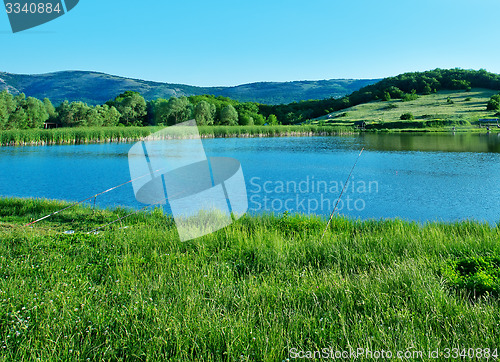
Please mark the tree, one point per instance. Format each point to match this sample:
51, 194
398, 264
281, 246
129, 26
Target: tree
291, 117
494, 103
410, 97
272, 120
245, 120
395, 92
76, 114
64, 115
18, 119
50, 109
93, 117
132, 107
345, 102
229, 116
427, 89
24, 112
79, 114
36, 113
160, 109
459, 84
259, 120
247, 112
204, 113
179, 110
7, 107
109, 115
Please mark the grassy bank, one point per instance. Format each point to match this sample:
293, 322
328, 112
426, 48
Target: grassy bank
130, 134
260, 289
84, 135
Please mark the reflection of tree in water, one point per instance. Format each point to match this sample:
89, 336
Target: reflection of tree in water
432, 142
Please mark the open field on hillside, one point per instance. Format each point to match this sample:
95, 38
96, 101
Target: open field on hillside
455, 107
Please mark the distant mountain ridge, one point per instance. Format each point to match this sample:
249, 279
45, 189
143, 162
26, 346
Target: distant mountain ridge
97, 88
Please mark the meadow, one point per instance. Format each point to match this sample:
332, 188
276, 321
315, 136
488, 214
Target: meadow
262, 289
443, 109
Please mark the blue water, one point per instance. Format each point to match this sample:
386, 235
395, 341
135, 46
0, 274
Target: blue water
414, 177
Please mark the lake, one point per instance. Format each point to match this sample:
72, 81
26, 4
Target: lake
421, 177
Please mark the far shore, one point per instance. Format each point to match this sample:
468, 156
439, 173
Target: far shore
68, 136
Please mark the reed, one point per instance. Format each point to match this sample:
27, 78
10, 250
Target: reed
81, 135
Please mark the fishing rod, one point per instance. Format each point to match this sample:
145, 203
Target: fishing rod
343, 189
159, 202
135, 212
120, 219
91, 197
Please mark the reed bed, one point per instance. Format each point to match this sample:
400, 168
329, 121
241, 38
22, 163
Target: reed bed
61, 136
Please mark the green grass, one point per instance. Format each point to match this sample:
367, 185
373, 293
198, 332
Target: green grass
432, 112
73, 135
274, 131
130, 134
252, 291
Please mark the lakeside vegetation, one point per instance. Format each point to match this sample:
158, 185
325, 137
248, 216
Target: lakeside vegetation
82, 135
252, 291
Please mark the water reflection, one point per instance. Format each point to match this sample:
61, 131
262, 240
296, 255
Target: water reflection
453, 142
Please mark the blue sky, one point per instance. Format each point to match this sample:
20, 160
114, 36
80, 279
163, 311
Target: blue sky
224, 42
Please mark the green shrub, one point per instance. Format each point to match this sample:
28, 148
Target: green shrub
493, 103
410, 96
477, 276
407, 116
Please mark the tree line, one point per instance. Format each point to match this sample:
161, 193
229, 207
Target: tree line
131, 109
405, 86
128, 109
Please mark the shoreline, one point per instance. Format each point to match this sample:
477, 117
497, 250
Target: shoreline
202, 136
63, 204
76, 136
79, 136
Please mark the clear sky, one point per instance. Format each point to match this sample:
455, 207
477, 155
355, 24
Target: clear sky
230, 42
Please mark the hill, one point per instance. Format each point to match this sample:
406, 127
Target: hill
404, 87
97, 88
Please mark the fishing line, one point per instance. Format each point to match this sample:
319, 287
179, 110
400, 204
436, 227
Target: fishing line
343, 189
122, 218
91, 197
136, 212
